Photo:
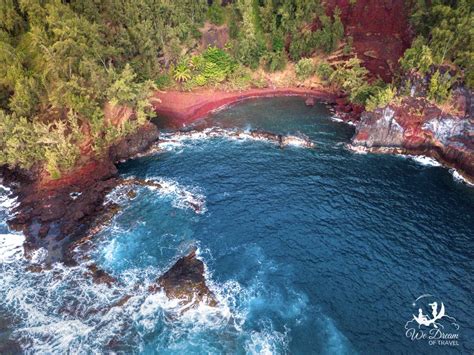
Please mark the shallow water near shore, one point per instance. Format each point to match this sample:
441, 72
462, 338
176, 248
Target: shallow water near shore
308, 250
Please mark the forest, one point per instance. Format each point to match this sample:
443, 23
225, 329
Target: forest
63, 62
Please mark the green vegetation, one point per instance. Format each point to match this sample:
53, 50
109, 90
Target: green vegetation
61, 62
182, 73
215, 13
351, 77
324, 71
211, 67
382, 97
419, 57
439, 87
304, 68
446, 36
66, 66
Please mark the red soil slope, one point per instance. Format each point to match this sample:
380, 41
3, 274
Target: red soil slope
380, 31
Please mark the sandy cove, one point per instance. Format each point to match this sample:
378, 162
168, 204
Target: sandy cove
178, 108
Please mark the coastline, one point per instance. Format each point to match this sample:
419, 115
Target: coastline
55, 214
59, 212
178, 108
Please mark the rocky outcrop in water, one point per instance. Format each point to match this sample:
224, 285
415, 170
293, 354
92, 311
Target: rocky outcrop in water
417, 126
185, 281
281, 140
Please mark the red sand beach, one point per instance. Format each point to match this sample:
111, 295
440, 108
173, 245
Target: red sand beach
179, 108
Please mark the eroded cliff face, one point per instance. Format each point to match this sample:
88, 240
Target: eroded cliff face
379, 29
416, 126
54, 213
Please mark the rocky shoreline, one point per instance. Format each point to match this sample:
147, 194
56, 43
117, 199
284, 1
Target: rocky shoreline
64, 214
414, 126
52, 214
60, 215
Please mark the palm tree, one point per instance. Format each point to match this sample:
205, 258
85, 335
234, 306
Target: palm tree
182, 73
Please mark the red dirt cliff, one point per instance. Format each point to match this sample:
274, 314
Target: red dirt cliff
380, 31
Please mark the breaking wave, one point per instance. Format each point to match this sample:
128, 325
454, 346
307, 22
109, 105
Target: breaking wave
424, 160
459, 178
61, 309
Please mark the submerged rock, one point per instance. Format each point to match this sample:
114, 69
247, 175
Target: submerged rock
185, 281
310, 101
100, 276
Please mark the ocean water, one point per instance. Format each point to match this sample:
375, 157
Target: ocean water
309, 251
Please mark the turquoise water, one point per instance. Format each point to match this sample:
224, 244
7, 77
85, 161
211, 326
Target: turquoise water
308, 250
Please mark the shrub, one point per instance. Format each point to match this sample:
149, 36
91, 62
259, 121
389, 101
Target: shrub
163, 81
240, 78
223, 61
381, 98
351, 77
215, 13
304, 68
348, 46
324, 71
418, 57
439, 87
213, 66
275, 61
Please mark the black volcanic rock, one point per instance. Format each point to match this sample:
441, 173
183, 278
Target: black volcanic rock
54, 214
185, 281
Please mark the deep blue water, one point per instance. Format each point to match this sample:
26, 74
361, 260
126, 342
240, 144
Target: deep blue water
309, 250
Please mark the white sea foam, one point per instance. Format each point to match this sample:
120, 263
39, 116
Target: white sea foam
357, 149
336, 118
174, 140
11, 247
183, 197
39, 255
267, 342
424, 160
7, 202
459, 178
62, 310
